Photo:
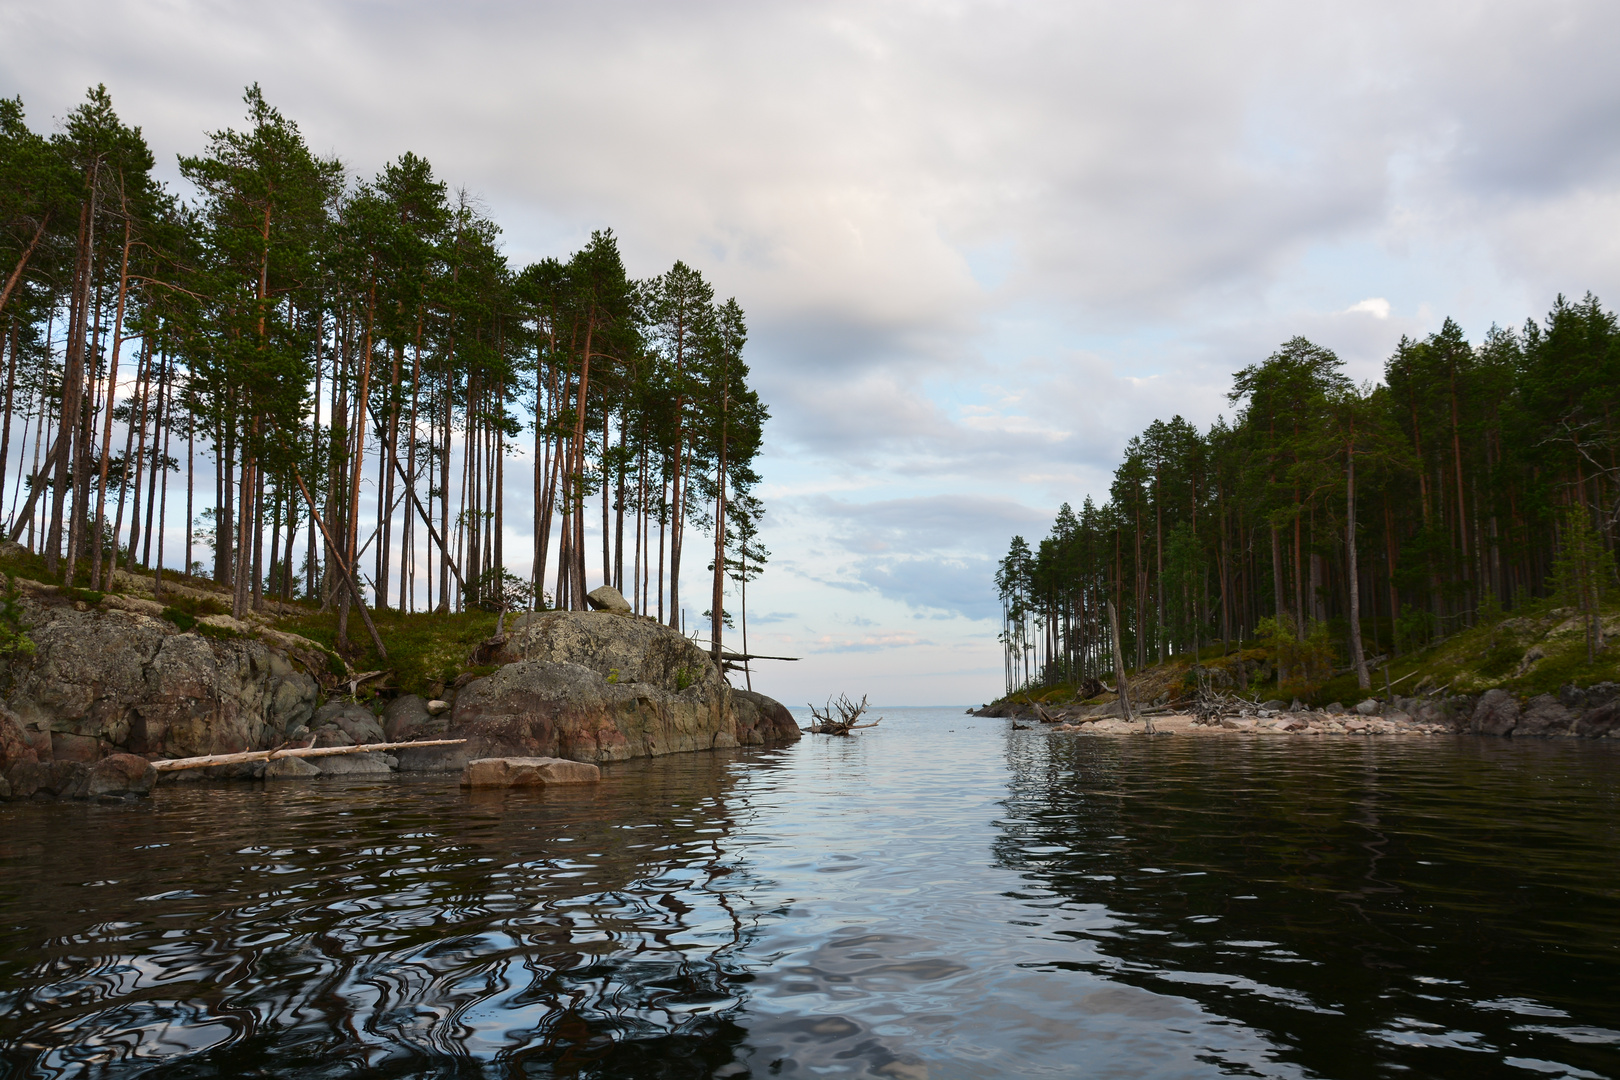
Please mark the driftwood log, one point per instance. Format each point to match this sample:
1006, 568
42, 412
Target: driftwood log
848, 714
172, 764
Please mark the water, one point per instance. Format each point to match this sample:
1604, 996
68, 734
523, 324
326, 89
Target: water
941, 896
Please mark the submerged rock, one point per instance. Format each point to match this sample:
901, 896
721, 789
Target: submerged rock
527, 772
291, 768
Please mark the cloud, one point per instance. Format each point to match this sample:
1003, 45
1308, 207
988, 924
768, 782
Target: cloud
979, 246
1375, 306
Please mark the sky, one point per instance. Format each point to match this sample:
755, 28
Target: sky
979, 245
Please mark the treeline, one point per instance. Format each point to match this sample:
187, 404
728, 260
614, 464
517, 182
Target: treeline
354, 361
1339, 522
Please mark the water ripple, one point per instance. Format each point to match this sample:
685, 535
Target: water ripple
939, 897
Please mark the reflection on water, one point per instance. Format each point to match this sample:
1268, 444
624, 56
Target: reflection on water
938, 897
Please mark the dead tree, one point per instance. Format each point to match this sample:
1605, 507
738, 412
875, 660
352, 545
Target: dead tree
848, 713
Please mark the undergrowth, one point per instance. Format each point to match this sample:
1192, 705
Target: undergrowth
1534, 649
426, 651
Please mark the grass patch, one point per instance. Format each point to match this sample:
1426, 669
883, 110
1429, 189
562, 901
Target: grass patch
426, 651
180, 618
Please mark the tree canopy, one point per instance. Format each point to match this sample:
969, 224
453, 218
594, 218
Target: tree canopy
351, 362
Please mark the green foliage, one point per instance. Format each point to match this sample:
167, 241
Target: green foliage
425, 650
1583, 573
684, 677
1304, 664
1451, 482
13, 641
184, 620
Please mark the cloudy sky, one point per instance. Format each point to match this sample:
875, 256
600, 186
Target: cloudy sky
979, 244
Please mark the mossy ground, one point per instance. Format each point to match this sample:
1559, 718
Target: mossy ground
1532, 650
426, 651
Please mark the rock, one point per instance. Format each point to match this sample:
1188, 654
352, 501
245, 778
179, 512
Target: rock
1334, 708
406, 717
437, 707
5, 789
761, 719
1543, 715
121, 774
357, 765
620, 650
14, 745
1575, 697
1398, 717
114, 680
527, 772
69, 747
291, 768
1496, 713
1369, 707
63, 779
543, 709
607, 598
132, 603
599, 687
340, 723
1234, 724
1599, 721
1274, 705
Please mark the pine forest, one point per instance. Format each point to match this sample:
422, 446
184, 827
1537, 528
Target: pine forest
303, 385
1338, 524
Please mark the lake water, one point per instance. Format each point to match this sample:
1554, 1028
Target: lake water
941, 896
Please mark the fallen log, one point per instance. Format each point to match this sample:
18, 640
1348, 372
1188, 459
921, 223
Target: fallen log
172, 764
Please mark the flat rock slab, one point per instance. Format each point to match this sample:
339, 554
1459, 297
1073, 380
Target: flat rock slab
504, 772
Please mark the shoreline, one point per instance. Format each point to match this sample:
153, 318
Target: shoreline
1281, 724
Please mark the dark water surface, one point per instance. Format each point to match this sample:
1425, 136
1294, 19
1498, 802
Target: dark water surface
938, 897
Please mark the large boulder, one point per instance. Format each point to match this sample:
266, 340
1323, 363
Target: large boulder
1600, 720
1543, 715
541, 708
598, 686
103, 682
61, 779
621, 649
761, 719
407, 718
14, 744
121, 774
1496, 714
607, 598
340, 723
356, 765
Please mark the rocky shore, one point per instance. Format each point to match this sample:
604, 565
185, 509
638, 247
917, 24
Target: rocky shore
111, 686
1574, 712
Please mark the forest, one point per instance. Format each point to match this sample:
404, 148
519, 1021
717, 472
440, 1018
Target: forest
339, 369
1337, 524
